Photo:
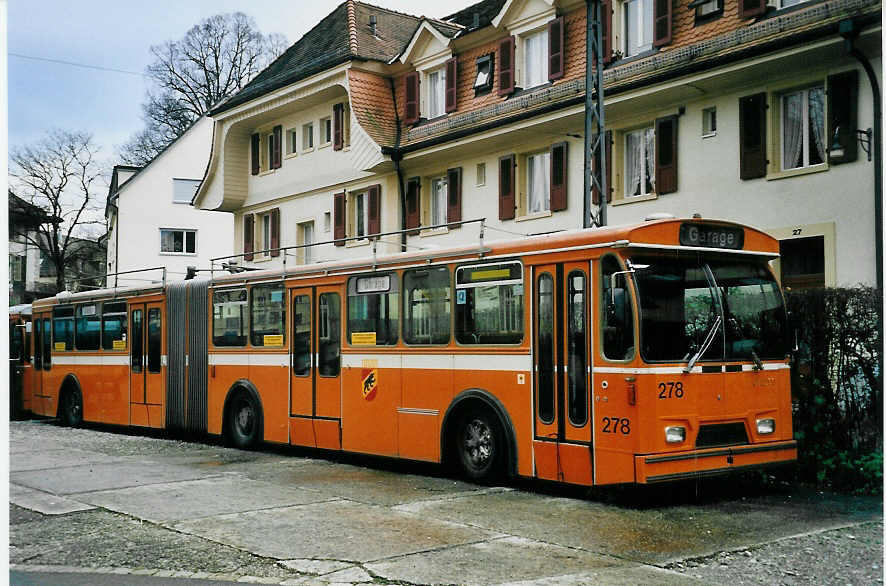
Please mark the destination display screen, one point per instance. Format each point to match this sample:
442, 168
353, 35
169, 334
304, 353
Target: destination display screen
711, 236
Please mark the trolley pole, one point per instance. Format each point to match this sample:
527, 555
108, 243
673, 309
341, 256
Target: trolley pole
595, 126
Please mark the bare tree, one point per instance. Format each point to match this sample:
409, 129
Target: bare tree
60, 175
214, 60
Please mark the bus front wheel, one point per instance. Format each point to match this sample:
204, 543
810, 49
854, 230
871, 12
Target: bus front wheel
244, 421
480, 445
72, 408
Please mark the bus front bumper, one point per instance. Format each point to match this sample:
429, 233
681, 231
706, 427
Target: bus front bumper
653, 468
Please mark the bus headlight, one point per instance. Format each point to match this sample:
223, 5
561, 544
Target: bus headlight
765, 426
675, 434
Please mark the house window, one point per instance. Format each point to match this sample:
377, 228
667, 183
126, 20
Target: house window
327, 221
438, 197
183, 190
481, 174
437, 93
291, 141
361, 214
803, 141
538, 183
306, 238
483, 81
325, 131
637, 26
265, 232
639, 162
535, 59
269, 151
307, 136
706, 9
788, 3
178, 241
709, 122
802, 262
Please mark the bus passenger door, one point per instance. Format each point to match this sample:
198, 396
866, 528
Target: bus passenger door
560, 353
146, 388
315, 396
156, 360
136, 356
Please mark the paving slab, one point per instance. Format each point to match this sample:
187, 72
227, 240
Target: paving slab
35, 458
44, 502
489, 562
104, 476
336, 530
190, 499
616, 576
650, 535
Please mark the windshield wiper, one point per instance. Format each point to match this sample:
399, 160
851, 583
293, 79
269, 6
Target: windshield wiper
709, 339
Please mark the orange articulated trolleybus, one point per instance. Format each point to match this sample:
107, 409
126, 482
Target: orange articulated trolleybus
630, 354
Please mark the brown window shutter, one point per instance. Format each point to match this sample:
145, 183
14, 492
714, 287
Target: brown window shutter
375, 209
606, 26
666, 155
413, 203
607, 145
338, 212
452, 85
275, 231
751, 8
843, 115
663, 22
507, 201
506, 66
559, 162
278, 144
752, 136
248, 236
412, 112
556, 48
338, 126
256, 148
453, 201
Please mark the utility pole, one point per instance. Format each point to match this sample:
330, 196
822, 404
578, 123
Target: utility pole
595, 127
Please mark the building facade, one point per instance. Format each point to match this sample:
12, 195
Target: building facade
378, 121
150, 217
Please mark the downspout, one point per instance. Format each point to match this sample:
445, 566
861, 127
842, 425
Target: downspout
849, 32
116, 241
396, 157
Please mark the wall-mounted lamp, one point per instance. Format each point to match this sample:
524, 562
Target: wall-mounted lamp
864, 139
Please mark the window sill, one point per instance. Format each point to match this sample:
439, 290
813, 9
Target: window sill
325, 145
266, 172
797, 172
291, 156
709, 135
535, 216
634, 199
434, 232
310, 150
178, 254
357, 243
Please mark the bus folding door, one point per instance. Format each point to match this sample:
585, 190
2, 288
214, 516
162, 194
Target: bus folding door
146, 368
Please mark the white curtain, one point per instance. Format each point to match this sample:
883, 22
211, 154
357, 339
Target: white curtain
436, 93
792, 128
816, 121
634, 162
536, 59
539, 180
649, 187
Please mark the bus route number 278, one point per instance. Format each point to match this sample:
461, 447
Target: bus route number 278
670, 390
620, 425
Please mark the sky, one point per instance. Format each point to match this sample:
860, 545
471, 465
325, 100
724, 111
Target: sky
117, 35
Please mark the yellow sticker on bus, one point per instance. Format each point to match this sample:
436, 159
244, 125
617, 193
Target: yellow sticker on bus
119, 344
59, 346
363, 339
273, 340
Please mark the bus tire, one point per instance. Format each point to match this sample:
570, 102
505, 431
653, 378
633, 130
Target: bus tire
244, 421
480, 445
71, 408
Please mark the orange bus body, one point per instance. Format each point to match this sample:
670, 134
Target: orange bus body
546, 402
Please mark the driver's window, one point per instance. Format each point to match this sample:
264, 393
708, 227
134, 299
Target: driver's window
617, 316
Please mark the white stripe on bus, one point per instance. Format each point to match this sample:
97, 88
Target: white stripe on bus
106, 360
248, 359
677, 369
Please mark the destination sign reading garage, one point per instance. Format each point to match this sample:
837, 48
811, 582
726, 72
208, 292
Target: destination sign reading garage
711, 236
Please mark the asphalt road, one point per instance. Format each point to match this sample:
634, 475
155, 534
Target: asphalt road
99, 506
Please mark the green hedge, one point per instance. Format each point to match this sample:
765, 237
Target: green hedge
837, 388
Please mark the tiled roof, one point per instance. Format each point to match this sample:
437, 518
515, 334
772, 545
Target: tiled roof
344, 34
487, 9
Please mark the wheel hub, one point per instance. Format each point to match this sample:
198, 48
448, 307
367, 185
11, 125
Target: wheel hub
478, 443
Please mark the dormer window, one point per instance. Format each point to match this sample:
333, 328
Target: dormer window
436, 93
638, 17
706, 9
535, 59
483, 81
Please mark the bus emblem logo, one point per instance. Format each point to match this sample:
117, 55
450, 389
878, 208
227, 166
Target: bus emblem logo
370, 382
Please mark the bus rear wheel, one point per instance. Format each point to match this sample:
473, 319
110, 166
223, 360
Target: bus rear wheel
244, 421
72, 408
479, 443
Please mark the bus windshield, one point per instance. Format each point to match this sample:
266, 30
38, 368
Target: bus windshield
734, 307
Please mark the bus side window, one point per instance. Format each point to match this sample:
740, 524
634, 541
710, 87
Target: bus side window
329, 334
616, 319
47, 343
38, 344
15, 342
63, 328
